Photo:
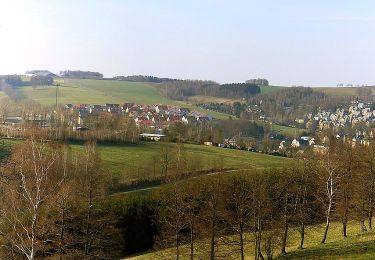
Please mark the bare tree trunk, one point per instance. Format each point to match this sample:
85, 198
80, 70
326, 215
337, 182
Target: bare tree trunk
269, 248
177, 244
362, 222
328, 219
242, 243
62, 229
191, 241
260, 256
345, 217
302, 232
212, 242
330, 193
88, 219
286, 227
371, 202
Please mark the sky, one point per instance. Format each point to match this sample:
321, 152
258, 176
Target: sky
289, 42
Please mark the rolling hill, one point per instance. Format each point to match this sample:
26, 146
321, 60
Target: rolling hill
88, 91
358, 245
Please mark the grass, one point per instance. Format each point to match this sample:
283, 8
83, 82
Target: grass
198, 99
3, 95
95, 92
342, 91
137, 161
287, 130
269, 89
87, 91
358, 245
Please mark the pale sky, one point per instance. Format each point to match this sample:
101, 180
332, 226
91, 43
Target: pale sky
289, 42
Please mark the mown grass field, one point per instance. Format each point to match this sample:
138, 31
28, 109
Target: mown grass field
138, 161
358, 245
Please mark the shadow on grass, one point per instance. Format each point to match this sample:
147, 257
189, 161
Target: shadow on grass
334, 251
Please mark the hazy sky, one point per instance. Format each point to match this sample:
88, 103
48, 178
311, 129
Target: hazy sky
315, 42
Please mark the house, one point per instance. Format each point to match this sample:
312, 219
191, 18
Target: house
112, 107
189, 119
152, 137
44, 74
95, 109
161, 108
68, 106
12, 120
282, 146
295, 143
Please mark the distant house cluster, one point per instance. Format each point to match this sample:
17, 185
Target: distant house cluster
150, 116
348, 116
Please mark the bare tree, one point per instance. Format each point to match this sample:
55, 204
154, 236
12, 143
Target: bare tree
29, 188
330, 178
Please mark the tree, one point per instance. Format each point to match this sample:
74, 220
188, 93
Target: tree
90, 191
239, 201
29, 188
330, 177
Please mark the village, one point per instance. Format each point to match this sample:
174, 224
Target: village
157, 117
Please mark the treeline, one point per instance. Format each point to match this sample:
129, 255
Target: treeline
214, 132
17, 81
261, 82
287, 104
238, 90
141, 78
78, 74
253, 213
53, 204
182, 89
236, 108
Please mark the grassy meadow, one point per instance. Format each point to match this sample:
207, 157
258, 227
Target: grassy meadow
144, 159
358, 245
342, 91
135, 161
88, 91
269, 89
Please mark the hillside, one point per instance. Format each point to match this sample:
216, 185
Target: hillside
358, 245
88, 91
342, 91
136, 161
209, 99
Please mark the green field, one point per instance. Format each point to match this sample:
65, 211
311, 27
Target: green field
144, 160
269, 89
358, 245
95, 92
287, 130
87, 91
138, 161
342, 91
